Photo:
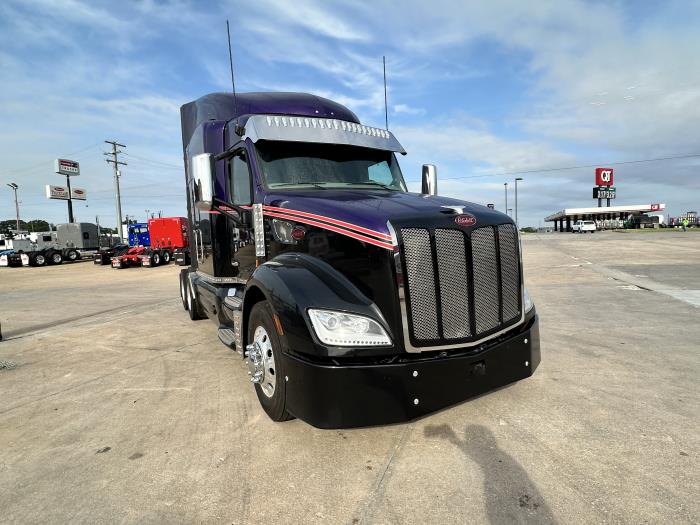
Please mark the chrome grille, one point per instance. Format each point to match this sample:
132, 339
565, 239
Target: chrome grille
469, 289
510, 271
454, 284
485, 279
421, 274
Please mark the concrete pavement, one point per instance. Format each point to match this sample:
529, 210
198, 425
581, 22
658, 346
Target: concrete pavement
117, 408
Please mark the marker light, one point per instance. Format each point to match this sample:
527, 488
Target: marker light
343, 329
324, 123
527, 301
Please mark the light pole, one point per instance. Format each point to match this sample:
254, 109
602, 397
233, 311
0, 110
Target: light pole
147, 214
517, 224
14, 188
505, 188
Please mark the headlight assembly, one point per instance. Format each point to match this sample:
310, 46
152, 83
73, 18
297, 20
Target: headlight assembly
343, 329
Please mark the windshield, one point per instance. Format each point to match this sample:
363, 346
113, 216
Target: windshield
304, 165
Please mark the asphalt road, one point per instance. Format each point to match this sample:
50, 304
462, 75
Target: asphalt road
116, 408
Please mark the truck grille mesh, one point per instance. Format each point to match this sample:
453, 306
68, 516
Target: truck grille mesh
461, 286
421, 275
454, 283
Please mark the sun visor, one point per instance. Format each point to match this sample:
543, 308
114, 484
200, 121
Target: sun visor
320, 130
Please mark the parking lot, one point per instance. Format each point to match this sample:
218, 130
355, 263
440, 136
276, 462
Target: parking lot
117, 408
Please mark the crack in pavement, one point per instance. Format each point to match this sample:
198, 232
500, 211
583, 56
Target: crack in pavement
371, 505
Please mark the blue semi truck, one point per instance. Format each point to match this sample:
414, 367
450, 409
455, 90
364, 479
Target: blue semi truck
353, 301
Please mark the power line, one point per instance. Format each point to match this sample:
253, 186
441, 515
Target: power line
41, 164
144, 159
565, 168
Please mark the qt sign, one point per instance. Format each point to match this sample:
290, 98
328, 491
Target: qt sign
604, 176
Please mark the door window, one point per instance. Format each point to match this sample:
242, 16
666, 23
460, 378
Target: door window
239, 180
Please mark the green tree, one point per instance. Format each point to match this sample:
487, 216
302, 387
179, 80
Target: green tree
11, 224
38, 225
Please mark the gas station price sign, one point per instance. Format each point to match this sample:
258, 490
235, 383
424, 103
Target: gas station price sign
604, 193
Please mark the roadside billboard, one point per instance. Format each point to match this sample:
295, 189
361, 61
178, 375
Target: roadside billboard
69, 168
78, 194
57, 192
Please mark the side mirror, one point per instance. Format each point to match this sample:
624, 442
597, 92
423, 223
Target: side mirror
429, 180
203, 177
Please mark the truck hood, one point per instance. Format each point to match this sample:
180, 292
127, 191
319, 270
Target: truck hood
372, 209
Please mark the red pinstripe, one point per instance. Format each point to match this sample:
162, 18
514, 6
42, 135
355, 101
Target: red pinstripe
312, 222
337, 222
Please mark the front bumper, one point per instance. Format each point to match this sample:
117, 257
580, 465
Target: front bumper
327, 396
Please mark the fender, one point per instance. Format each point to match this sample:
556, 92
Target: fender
294, 282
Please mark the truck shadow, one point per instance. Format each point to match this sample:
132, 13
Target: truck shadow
510, 494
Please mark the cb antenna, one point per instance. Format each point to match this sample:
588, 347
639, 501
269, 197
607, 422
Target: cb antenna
386, 108
230, 61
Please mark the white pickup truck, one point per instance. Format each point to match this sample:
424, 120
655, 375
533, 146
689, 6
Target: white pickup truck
583, 227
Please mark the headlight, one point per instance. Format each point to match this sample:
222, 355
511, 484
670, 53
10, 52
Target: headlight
527, 301
342, 329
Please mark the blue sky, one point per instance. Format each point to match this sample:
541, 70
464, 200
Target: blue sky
480, 89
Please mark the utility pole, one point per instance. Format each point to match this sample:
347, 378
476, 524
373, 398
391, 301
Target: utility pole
115, 163
505, 187
517, 224
14, 188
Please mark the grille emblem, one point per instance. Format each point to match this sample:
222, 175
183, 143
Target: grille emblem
466, 219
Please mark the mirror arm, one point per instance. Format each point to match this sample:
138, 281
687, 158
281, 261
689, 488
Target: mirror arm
225, 209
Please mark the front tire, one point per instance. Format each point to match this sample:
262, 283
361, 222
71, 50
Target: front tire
183, 291
271, 390
193, 307
37, 260
166, 257
72, 255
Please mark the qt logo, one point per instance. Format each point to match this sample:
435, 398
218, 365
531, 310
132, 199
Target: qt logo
604, 176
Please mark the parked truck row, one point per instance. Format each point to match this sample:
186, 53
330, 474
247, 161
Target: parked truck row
155, 243
67, 243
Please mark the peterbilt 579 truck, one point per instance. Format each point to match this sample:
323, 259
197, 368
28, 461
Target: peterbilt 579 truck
352, 301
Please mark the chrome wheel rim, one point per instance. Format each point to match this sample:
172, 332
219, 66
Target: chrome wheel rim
262, 340
56, 258
40, 259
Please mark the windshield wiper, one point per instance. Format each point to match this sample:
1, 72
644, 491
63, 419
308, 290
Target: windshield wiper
371, 183
283, 184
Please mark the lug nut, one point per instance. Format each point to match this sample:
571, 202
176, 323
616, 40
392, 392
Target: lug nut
415, 373
415, 401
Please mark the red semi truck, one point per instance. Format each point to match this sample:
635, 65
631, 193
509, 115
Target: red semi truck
168, 240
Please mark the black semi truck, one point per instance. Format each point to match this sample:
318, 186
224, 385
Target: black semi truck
353, 301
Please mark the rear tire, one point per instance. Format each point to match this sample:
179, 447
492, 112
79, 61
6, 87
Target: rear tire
155, 259
272, 392
55, 258
166, 257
